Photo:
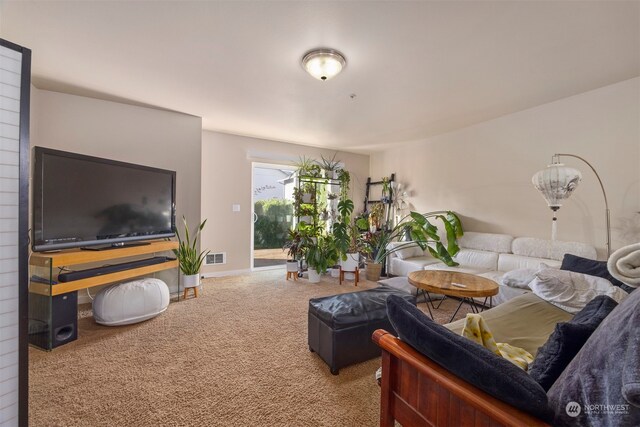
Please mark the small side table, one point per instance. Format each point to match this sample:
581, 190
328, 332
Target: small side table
356, 273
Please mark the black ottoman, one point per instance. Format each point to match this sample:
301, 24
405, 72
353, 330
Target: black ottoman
341, 326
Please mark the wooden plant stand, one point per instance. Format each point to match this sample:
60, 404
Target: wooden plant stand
356, 273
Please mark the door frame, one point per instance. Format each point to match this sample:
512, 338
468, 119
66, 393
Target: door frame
274, 165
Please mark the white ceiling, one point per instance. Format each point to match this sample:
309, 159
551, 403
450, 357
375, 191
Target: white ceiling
417, 68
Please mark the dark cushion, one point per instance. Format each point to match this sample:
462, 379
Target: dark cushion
595, 311
468, 360
354, 308
591, 267
605, 372
567, 339
553, 357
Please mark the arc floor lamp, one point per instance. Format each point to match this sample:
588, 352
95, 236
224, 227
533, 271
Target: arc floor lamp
557, 182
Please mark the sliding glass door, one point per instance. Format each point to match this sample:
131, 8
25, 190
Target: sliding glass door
272, 213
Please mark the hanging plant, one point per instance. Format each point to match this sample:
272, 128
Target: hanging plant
345, 180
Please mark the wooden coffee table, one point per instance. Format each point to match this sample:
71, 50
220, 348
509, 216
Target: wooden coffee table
454, 284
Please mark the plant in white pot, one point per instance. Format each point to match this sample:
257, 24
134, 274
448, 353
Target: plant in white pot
188, 257
320, 256
295, 245
347, 237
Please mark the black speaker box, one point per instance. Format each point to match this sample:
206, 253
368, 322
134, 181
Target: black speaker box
64, 320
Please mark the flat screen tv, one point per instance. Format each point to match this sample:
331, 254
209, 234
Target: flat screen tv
89, 202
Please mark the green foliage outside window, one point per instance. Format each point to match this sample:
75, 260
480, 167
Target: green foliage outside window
275, 219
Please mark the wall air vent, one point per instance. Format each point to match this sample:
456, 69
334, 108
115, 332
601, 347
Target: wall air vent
217, 258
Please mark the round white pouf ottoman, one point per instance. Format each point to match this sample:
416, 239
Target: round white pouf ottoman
131, 302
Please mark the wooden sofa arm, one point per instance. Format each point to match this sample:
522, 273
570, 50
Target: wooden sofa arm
418, 392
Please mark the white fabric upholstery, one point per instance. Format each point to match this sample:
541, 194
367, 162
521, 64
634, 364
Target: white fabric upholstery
539, 248
399, 267
481, 259
506, 293
491, 255
571, 291
496, 276
520, 278
508, 262
407, 250
461, 269
402, 284
130, 302
500, 243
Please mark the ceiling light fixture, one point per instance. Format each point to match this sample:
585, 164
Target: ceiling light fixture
323, 64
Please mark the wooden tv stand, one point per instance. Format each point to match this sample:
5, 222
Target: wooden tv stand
47, 265
72, 257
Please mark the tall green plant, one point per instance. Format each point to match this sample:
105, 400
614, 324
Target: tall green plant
342, 229
345, 181
423, 233
187, 253
323, 254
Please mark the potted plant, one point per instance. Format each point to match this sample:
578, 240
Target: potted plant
423, 233
330, 167
345, 181
307, 167
346, 236
298, 241
320, 256
294, 245
188, 257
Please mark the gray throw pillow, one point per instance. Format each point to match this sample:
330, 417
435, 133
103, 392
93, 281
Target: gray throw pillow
601, 385
567, 339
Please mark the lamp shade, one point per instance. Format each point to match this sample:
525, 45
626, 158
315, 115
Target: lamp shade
323, 64
556, 182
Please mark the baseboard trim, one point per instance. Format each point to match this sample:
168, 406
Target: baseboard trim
83, 298
226, 273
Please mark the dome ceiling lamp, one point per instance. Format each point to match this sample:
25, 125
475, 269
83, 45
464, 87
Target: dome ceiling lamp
557, 182
323, 64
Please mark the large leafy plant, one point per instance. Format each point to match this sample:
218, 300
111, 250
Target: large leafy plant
422, 232
187, 253
323, 254
342, 231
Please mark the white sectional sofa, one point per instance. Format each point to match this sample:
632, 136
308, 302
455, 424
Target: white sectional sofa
489, 255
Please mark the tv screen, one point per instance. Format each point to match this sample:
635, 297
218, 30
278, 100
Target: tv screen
84, 201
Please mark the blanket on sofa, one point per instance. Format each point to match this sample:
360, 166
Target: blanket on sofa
572, 291
525, 321
476, 329
624, 265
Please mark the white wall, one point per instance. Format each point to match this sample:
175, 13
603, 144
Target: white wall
127, 133
484, 171
226, 180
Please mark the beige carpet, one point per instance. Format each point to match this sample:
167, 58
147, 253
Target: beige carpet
235, 356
